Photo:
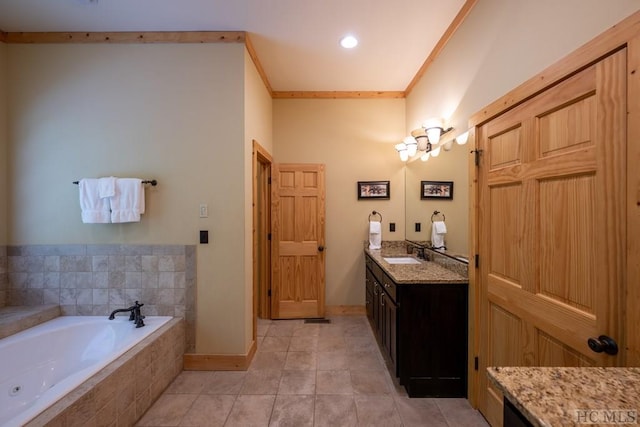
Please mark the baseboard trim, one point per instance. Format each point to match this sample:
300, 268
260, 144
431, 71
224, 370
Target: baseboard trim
345, 310
219, 362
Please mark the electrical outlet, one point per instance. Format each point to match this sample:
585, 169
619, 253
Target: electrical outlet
204, 211
392, 227
418, 227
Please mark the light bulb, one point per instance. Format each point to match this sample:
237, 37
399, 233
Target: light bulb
424, 157
435, 152
462, 138
412, 145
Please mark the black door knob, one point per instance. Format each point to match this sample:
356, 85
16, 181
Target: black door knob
320, 248
603, 343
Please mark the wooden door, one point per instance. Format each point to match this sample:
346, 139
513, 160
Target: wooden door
298, 219
552, 226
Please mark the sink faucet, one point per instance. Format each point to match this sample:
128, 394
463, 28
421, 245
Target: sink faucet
135, 315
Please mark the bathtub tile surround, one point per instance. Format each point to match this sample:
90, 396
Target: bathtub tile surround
93, 280
121, 393
4, 276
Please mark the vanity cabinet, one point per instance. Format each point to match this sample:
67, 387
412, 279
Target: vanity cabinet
421, 329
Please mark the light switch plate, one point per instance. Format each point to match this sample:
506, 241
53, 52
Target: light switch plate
204, 211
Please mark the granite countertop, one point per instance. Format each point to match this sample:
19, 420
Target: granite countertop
571, 396
425, 272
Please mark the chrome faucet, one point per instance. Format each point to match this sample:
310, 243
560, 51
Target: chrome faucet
135, 315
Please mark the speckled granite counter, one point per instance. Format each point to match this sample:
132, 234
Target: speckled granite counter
571, 396
425, 272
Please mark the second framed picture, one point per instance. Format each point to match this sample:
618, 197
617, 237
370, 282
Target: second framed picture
373, 190
436, 190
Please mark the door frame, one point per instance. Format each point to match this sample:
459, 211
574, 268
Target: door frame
261, 159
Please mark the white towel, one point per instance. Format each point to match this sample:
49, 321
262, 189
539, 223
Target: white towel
375, 235
128, 203
95, 210
437, 238
107, 186
441, 228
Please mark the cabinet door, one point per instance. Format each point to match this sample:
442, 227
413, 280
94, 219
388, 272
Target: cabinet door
391, 324
369, 294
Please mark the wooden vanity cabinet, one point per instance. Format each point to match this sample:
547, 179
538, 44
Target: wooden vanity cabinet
422, 332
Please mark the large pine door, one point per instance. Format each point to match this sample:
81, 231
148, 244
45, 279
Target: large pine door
552, 226
298, 219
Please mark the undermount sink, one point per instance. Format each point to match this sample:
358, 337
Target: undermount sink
401, 260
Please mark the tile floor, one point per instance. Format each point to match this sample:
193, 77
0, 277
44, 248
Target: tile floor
305, 375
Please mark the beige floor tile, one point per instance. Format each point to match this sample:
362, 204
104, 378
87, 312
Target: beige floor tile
370, 382
365, 361
225, 382
335, 411
307, 330
361, 343
262, 381
331, 343
268, 360
249, 411
332, 360
190, 382
330, 330
209, 410
459, 412
292, 411
333, 382
301, 360
304, 343
297, 382
377, 411
274, 344
415, 412
168, 410
280, 330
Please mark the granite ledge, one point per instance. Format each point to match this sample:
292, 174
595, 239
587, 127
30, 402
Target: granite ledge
555, 396
426, 272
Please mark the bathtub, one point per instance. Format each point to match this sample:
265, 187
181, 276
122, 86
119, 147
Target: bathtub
43, 364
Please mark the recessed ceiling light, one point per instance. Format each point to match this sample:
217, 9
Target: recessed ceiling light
348, 42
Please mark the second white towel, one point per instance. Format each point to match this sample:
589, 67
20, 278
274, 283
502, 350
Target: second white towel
438, 230
375, 235
128, 203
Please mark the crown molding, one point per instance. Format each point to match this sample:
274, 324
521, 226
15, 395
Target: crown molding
128, 37
455, 24
256, 61
337, 94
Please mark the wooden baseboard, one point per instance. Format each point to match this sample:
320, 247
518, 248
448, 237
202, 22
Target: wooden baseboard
344, 310
219, 362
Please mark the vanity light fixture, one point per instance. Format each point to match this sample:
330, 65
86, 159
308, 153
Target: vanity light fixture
424, 139
462, 138
348, 42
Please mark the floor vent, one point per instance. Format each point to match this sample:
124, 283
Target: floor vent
317, 320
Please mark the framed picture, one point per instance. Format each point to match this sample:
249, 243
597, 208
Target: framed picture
374, 190
436, 190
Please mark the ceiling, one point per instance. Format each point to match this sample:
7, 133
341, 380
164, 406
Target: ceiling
296, 41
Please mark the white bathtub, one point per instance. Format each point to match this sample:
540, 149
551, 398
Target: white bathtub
42, 364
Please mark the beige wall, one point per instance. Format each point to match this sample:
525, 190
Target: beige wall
258, 109
4, 187
354, 139
501, 44
170, 112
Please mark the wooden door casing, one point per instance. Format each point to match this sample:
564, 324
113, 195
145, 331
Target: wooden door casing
552, 226
298, 220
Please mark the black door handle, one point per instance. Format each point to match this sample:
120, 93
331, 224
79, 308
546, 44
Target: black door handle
320, 248
603, 343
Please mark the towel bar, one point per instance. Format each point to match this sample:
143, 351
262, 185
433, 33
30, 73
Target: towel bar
375, 213
153, 182
438, 213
